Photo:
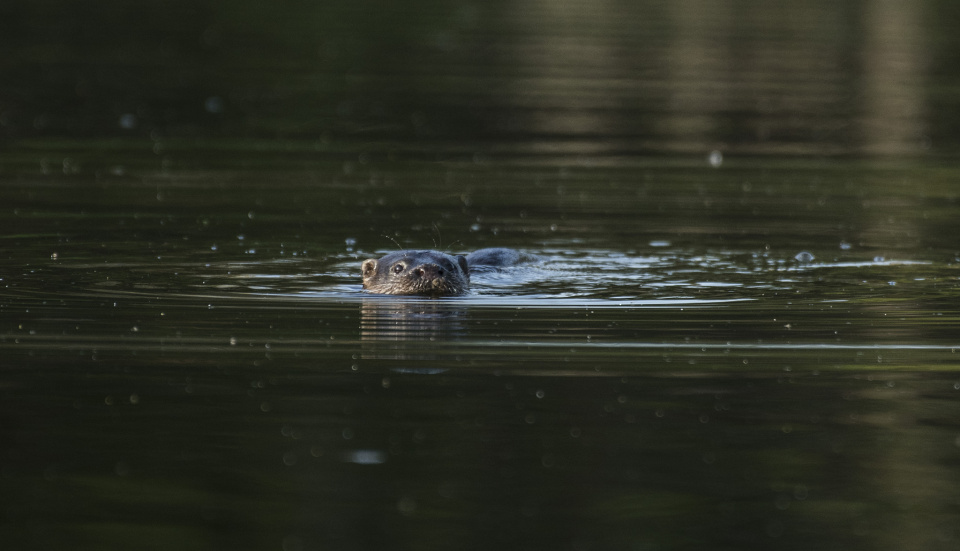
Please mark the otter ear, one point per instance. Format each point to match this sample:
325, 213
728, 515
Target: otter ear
368, 268
462, 261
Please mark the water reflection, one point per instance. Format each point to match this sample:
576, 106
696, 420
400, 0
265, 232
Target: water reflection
546, 78
895, 64
409, 328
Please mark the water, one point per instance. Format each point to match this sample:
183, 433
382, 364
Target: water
743, 333
189, 357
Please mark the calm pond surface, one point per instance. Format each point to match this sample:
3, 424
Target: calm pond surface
744, 332
188, 359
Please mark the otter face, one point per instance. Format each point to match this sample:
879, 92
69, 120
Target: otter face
427, 273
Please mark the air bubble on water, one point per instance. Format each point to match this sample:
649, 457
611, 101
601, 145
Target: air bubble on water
659, 243
844, 246
213, 104
879, 259
804, 256
364, 457
128, 121
715, 159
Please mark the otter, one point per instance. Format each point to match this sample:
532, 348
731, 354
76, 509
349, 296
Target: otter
432, 273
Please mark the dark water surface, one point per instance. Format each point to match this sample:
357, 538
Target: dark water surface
188, 359
743, 333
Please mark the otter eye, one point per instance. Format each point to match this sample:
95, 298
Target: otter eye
397, 268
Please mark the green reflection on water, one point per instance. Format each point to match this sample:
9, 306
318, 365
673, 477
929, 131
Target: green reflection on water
573, 78
187, 189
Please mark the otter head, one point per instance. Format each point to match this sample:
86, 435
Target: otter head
428, 273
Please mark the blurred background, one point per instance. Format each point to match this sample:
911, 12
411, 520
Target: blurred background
532, 77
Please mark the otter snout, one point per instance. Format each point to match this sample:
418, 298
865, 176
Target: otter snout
431, 276
429, 271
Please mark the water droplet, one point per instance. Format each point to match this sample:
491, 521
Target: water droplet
128, 121
364, 457
214, 104
715, 159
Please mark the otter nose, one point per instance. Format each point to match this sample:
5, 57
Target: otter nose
428, 271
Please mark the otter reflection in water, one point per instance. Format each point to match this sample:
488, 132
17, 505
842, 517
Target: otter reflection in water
433, 273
